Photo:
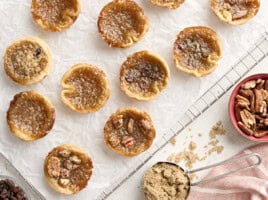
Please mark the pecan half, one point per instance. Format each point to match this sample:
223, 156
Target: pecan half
245, 129
249, 85
260, 133
130, 126
128, 142
260, 84
266, 85
248, 119
114, 141
260, 104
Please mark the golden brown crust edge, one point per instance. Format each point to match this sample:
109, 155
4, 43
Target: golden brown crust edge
164, 66
41, 24
173, 5
137, 112
42, 75
54, 183
230, 21
21, 134
214, 59
132, 39
67, 88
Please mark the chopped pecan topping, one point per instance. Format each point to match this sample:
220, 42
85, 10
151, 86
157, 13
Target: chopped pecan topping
130, 126
118, 122
53, 167
128, 142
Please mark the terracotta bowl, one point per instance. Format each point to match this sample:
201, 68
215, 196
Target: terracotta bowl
232, 106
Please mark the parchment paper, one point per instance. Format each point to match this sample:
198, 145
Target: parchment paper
82, 43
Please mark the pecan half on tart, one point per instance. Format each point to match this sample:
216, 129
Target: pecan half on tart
67, 169
30, 116
235, 11
144, 75
129, 132
197, 50
171, 4
85, 88
27, 60
55, 15
122, 23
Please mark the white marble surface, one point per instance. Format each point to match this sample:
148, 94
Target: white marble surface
82, 43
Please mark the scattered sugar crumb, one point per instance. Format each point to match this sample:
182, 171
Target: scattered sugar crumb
189, 157
216, 129
173, 141
171, 157
192, 146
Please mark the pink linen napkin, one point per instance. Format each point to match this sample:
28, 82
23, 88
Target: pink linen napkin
251, 184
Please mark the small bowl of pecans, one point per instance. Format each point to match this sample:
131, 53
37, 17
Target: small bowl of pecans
248, 107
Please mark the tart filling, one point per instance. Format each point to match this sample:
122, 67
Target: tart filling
27, 60
143, 75
86, 88
67, 169
129, 132
55, 15
30, 116
171, 4
235, 11
122, 23
197, 50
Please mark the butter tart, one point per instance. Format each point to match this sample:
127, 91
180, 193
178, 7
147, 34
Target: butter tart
85, 88
129, 132
30, 116
235, 11
144, 75
67, 169
55, 15
122, 23
27, 60
171, 4
197, 50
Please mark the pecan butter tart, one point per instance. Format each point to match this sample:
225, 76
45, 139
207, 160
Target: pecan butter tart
129, 132
235, 11
144, 75
55, 15
67, 169
197, 50
171, 4
122, 23
30, 116
85, 88
27, 60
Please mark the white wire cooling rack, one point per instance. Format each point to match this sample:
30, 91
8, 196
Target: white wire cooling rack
252, 58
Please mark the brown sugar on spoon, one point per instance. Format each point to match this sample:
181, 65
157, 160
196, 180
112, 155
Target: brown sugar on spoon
85, 88
171, 4
55, 15
67, 169
27, 60
129, 132
122, 23
144, 75
30, 116
197, 50
251, 108
235, 11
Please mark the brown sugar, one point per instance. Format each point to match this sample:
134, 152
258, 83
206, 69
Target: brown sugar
165, 181
189, 155
173, 141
